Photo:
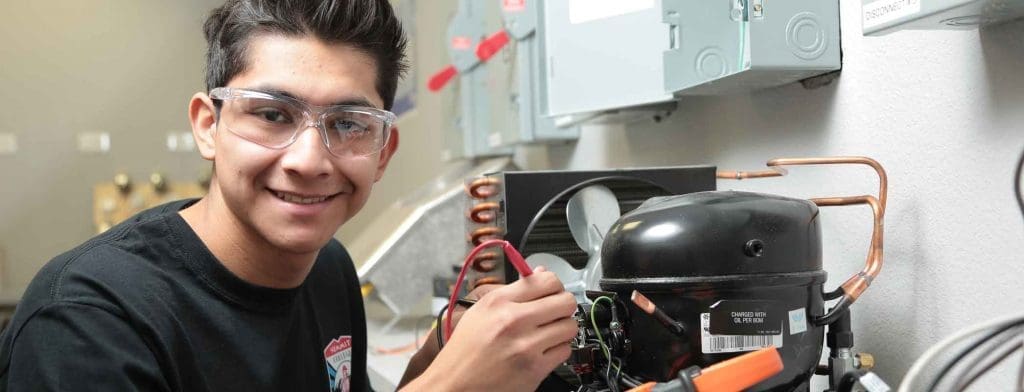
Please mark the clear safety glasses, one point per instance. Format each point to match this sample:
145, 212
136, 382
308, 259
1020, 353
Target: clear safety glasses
275, 121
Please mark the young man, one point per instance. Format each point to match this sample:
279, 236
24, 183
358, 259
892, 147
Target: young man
245, 289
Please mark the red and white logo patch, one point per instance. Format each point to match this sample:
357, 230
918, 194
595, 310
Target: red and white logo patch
338, 355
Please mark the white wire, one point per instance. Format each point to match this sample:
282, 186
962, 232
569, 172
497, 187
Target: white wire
937, 349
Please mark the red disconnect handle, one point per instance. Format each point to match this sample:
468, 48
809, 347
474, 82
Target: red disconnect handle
741, 372
491, 45
440, 79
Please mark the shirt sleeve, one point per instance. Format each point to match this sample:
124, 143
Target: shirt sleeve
69, 346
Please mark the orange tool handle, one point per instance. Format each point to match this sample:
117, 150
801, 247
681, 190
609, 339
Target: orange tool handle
741, 372
735, 374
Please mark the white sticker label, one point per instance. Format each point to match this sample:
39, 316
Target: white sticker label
884, 11
873, 383
94, 142
494, 140
713, 344
797, 321
581, 11
8, 143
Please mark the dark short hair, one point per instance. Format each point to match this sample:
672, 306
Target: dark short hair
370, 26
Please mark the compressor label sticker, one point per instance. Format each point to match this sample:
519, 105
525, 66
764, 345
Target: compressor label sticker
797, 321
746, 318
714, 344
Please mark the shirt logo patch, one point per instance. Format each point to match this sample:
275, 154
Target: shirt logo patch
338, 355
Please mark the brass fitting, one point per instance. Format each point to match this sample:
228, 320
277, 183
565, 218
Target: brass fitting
865, 361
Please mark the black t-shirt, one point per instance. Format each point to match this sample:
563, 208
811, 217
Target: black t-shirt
146, 306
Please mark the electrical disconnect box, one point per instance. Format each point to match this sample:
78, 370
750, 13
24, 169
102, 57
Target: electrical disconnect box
521, 20
606, 54
880, 17
497, 58
472, 117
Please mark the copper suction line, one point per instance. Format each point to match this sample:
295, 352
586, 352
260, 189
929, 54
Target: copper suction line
857, 284
883, 180
743, 175
645, 304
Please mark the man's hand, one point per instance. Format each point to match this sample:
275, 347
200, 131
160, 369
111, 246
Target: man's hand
426, 354
509, 341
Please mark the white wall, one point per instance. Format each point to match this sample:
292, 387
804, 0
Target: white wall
941, 110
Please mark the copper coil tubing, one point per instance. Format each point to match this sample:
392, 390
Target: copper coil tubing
485, 280
484, 233
485, 262
485, 212
482, 188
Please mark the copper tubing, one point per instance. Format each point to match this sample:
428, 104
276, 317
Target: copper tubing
883, 180
650, 308
742, 175
482, 188
776, 170
484, 212
643, 302
485, 262
484, 233
856, 285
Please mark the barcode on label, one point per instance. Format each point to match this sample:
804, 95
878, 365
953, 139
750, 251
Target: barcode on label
713, 344
739, 341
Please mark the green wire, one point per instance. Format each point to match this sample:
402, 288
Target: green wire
593, 321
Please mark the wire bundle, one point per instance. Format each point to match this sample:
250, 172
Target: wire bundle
613, 376
982, 347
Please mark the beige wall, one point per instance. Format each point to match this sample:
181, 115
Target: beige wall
128, 68
419, 152
125, 67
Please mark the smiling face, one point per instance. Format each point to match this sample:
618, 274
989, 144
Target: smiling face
295, 198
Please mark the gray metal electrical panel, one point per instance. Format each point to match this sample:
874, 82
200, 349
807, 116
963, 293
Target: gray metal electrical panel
473, 118
880, 17
500, 100
605, 54
526, 59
